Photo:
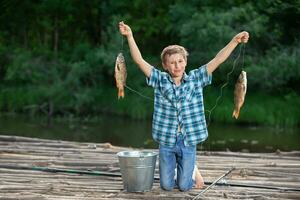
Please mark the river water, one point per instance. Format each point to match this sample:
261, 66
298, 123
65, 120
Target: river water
137, 134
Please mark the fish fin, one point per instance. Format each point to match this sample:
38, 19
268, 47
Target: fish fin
236, 113
244, 88
121, 93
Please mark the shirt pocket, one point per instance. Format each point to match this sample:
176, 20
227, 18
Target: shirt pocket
194, 95
164, 101
166, 95
189, 94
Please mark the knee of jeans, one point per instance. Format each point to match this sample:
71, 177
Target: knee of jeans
183, 187
166, 186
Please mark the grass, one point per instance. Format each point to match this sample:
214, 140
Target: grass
258, 109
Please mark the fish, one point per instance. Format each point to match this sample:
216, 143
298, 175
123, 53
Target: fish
239, 94
120, 75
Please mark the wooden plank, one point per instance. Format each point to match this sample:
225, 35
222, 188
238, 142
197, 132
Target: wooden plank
276, 170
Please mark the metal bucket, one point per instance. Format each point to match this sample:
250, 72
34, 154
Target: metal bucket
137, 169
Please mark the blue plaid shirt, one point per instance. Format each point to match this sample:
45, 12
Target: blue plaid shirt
179, 106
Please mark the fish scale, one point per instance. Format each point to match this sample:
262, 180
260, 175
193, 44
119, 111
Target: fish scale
239, 93
120, 75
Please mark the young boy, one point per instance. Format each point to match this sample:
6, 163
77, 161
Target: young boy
178, 119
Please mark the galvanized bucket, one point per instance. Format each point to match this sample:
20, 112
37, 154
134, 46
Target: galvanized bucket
137, 169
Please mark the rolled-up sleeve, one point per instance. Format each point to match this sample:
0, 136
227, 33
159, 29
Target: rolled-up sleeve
203, 76
154, 77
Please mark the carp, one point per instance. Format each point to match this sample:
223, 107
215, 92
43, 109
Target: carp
239, 94
120, 75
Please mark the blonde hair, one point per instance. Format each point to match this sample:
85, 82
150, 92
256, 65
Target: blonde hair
173, 49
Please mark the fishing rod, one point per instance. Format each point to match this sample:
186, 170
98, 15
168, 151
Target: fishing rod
113, 174
214, 183
57, 170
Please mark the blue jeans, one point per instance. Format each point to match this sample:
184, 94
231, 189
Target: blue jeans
180, 156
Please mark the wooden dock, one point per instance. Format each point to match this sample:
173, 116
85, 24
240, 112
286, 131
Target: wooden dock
22, 160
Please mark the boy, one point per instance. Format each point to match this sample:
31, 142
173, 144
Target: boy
178, 119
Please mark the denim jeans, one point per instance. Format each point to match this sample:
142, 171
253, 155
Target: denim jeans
180, 156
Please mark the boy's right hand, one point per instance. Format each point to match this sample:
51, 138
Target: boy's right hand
125, 29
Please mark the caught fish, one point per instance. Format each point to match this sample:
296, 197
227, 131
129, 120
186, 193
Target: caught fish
120, 75
239, 94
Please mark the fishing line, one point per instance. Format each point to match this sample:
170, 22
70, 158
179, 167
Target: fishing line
122, 45
225, 84
243, 63
126, 86
148, 98
241, 49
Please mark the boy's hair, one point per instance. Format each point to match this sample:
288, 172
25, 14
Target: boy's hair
173, 49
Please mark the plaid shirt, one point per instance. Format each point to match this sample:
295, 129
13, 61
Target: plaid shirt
179, 106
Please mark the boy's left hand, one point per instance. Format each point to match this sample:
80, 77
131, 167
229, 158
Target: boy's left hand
241, 37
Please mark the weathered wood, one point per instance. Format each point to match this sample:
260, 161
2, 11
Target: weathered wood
277, 172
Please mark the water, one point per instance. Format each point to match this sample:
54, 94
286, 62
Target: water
137, 134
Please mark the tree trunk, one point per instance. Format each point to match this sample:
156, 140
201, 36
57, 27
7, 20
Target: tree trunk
25, 37
56, 35
50, 112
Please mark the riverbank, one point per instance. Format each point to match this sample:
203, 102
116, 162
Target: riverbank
256, 175
259, 109
122, 131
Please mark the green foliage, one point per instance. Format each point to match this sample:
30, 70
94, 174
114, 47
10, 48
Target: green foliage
272, 111
208, 30
278, 71
275, 111
284, 17
57, 56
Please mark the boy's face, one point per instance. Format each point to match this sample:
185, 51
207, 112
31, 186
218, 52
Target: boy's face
175, 65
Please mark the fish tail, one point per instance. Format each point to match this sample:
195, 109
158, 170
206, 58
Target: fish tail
236, 113
121, 93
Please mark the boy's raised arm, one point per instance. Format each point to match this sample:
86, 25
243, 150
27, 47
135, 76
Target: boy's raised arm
226, 51
134, 50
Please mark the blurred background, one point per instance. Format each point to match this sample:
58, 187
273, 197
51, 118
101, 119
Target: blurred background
57, 69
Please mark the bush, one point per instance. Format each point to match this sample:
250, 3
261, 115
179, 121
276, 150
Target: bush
277, 71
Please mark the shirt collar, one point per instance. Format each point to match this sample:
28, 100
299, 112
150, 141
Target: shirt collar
184, 78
